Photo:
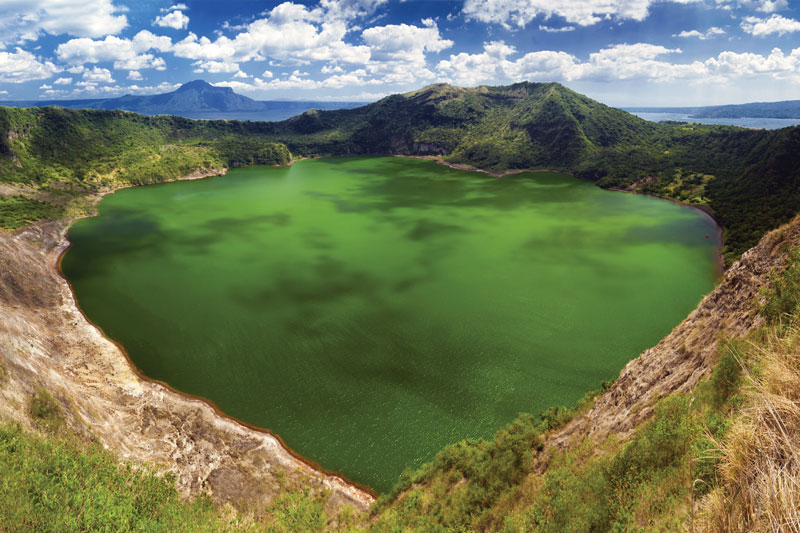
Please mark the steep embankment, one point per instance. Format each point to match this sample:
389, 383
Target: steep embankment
663, 447
46, 342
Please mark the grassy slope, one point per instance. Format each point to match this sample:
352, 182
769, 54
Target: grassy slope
722, 457
54, 480
650, 481
58, 483
746, 177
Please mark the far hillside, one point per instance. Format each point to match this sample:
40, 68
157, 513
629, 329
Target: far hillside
746, 178
785, 109
195, 99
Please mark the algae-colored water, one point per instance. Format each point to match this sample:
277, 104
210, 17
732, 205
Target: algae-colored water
372, 310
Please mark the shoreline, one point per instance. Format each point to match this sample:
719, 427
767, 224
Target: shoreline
65, 244
63, 247
719, 260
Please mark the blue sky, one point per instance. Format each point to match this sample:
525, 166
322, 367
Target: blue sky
621, 52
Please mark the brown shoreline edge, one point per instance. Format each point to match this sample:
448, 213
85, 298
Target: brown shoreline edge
350, 492
202, 175
47, 342
217, 410
64, 247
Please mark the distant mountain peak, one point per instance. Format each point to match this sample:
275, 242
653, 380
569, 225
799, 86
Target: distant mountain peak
201, 85
193, 96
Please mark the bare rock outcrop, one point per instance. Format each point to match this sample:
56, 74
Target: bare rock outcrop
45, 341
689, 352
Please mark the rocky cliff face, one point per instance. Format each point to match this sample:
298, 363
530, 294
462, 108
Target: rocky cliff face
689, 352
45, 341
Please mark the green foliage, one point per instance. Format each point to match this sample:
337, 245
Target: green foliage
297, 511
466, 478
783, 296
727, 375
16, 211
45, 411
57, 485
647, 483
748, 178
649, 476
460, 489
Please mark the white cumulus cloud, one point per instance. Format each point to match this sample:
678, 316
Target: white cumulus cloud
761, 27
702, 35
215, 67
98, 75
518, 13
127, 54
27, 19
21, 66
176, 20
398, 51
289, 34
550, 29
639, 61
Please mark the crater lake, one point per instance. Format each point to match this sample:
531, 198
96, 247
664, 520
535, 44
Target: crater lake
370, 311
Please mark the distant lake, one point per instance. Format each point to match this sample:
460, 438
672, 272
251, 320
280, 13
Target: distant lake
276, 111
759, 123
371, 311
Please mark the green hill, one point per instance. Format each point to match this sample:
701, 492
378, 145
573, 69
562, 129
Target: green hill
734, 172
720, 453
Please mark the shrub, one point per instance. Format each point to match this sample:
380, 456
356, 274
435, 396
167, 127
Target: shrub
783, 296
45, 411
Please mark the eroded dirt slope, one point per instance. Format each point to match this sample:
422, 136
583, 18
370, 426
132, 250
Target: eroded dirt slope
45, 341
689, 352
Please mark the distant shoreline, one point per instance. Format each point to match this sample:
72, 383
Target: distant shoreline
719, 260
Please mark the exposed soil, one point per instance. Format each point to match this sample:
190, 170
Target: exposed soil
689, 352
46, 341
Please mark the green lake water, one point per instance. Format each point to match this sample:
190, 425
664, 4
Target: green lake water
372, 310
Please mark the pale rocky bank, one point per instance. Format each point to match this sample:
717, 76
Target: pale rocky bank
45, 341
689, 352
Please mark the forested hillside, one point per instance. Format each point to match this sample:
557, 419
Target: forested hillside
714, 449
737, 173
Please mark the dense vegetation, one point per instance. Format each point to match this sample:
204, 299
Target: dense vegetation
720, 457
18, 210
747, 178
60, 483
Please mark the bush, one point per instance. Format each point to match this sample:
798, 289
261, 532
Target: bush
297, 511
45, 411
783, 296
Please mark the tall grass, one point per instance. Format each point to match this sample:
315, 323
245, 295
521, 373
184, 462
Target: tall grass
759, 474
